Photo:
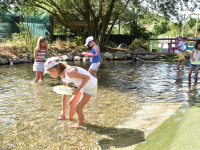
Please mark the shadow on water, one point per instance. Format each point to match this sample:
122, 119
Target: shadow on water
116, 137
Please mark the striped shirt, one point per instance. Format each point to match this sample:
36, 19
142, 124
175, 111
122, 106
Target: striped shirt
41, 54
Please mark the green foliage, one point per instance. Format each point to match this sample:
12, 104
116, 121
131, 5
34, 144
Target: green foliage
111, 44
18, 42
138, 43
191, 22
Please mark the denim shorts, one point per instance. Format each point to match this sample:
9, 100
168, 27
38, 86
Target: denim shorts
191, 65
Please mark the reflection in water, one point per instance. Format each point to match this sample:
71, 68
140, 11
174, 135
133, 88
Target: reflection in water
126, 91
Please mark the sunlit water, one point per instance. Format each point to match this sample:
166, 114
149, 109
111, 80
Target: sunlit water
28, 113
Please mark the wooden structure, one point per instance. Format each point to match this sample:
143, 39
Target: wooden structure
170, 52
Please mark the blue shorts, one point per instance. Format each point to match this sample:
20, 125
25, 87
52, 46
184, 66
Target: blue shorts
191, 65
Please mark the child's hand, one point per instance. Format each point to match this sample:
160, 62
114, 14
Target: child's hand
62, 116
75, 91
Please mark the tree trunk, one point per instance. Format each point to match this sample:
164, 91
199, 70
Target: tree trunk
105, 24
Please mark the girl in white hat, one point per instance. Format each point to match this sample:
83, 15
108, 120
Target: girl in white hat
86, 83
95, 58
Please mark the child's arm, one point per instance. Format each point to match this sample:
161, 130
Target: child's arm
64, 99
47, 53
35, 55
191, 55
96, 48
75, 74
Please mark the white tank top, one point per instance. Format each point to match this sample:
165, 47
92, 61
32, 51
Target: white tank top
196, 55
90, 84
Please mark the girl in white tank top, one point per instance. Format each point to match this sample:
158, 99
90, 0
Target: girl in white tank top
86, 83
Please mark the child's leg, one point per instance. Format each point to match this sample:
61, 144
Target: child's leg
72, 103
37, 76
42, 76
79, 108
183, 62
190, 72
196, 73
179, 61
92, 72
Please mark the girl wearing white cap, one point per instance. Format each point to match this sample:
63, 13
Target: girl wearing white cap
86, 83
95, 58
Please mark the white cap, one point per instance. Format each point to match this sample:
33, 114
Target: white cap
90, 38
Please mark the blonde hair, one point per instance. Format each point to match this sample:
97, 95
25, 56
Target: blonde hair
41, 39
60, 67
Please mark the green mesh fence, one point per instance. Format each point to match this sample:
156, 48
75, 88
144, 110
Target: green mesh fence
39, 25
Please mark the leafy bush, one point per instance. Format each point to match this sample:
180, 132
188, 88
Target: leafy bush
111, 44
138, 43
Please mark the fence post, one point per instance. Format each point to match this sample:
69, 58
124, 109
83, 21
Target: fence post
148, 45
170, 47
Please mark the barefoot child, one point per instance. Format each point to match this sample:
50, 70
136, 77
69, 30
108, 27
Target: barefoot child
39, 55
95, 58
180, 52
195, 56
86, 83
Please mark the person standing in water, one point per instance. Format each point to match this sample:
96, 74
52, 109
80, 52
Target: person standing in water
39, 55
195, 56
181, 49
95, 58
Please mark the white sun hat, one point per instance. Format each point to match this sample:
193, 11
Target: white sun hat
90, 38
51, 62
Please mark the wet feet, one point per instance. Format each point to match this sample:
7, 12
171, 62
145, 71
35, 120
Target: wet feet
75, 126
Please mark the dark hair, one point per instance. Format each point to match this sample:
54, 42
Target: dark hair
197, 43
60, 67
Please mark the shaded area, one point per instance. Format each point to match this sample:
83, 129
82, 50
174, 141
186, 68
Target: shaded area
114, 136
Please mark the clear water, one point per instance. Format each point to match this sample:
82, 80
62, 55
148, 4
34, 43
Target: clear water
28, 112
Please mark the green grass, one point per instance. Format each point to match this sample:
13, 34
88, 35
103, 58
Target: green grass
170, 58
179, 132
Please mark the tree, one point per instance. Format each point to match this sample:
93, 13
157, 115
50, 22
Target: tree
99, 14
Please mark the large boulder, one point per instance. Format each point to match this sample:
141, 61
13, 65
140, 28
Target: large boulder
74, 53
3, 61
108, 56
26, 60
103, 57
15, 60
128, 52
120, 55
67, 58
140, 50
77, 58
123, 45
86, 58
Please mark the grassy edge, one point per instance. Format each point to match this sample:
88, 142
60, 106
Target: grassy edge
169, 133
